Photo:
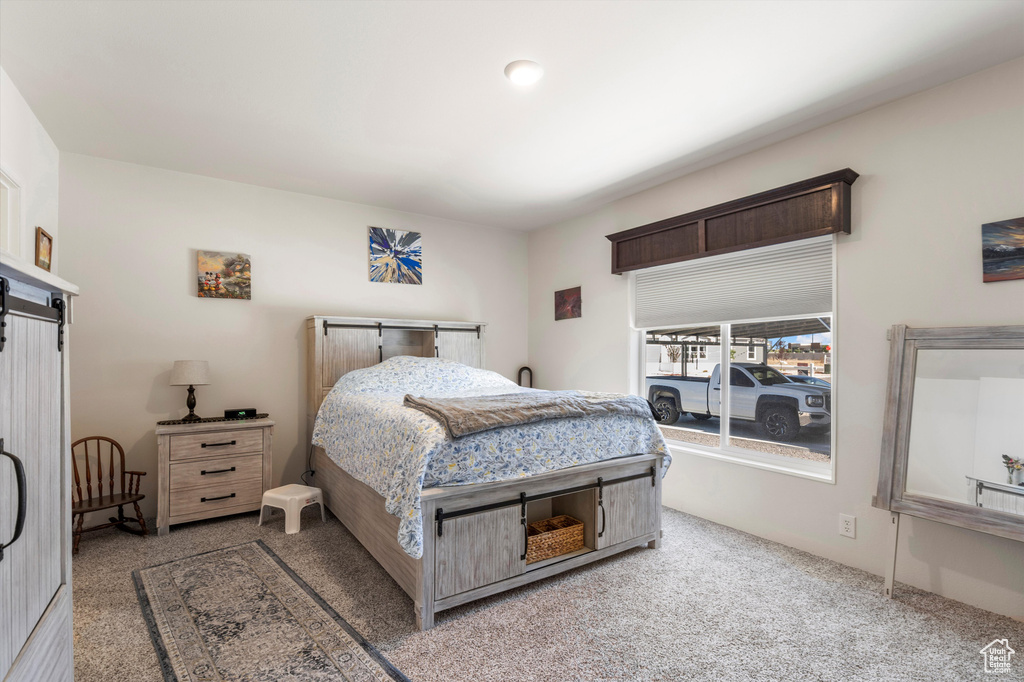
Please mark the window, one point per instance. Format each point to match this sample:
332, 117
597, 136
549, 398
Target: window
778, 398
766, 376
10, 214
738, 378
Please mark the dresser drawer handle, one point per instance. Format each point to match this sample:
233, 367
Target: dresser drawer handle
217, 445
216, 471
211, 499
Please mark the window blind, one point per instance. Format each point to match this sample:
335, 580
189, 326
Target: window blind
783, 280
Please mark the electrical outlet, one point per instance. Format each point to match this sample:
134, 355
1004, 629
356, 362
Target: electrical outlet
848, 525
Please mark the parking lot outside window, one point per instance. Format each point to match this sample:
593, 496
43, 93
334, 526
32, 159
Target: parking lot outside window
773, 413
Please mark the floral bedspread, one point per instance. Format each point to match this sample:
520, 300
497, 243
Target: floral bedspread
398, 451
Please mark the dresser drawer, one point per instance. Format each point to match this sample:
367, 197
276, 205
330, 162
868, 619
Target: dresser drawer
220, 471
211, 499
216, 443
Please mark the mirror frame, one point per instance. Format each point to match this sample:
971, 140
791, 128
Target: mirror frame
892, 471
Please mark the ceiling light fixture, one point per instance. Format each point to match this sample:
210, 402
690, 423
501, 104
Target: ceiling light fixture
524, 72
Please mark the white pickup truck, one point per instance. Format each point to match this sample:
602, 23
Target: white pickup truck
758, 393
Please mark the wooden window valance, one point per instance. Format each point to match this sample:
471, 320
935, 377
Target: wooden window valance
809, 208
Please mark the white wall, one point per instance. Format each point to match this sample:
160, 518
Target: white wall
934, 167
28, 157
961, 427
1000, 420
129, 239
943, 435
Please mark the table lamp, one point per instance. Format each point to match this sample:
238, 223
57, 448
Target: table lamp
190, 373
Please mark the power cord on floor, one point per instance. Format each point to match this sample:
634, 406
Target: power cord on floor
309, 467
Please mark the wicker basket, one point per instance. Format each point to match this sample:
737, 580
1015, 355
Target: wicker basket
552, 537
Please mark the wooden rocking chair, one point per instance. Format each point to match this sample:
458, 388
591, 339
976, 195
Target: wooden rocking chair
90, 451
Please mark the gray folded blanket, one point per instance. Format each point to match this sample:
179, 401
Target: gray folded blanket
465, 416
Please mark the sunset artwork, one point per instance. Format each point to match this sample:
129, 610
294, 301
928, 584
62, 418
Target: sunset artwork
1002, 250
396, 256
568, 303
224, 275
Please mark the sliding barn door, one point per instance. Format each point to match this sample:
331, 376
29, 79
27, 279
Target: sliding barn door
631, 510
35, 597
477, 550
345, 350
461, 346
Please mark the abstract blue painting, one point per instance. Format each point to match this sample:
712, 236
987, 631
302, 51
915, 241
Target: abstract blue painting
395, 256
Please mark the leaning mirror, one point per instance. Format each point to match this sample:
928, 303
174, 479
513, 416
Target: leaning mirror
953, 444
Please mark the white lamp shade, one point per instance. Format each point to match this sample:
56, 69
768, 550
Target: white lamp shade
190, 373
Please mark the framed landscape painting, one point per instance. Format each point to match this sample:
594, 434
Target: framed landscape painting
396, 256
1002, 250
568, 303
224, 275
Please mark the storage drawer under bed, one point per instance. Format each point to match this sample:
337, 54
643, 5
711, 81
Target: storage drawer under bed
478, 548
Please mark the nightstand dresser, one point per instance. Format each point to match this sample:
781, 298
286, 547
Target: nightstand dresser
212, 468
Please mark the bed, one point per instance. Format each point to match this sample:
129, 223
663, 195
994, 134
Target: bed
447, 517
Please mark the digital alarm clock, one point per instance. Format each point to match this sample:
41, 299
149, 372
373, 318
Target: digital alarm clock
246, 413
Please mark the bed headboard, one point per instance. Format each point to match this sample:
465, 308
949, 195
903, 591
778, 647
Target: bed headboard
337, 345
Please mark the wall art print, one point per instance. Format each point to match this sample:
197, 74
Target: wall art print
1002, 250
396, 256
568, 303
44, 249
224, 275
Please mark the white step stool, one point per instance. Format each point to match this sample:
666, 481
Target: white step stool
293, 499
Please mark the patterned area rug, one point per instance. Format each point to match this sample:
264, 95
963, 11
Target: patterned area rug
240, 613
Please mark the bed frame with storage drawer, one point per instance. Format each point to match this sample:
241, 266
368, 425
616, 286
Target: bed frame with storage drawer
474, 536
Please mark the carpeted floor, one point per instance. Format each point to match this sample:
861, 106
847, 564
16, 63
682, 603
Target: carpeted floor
712, 604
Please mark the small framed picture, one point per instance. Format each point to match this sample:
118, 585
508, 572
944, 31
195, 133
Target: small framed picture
224, 275
569, 303
44, 249
1002, 250
396, 256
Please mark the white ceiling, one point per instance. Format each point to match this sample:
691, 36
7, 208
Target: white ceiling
404, 104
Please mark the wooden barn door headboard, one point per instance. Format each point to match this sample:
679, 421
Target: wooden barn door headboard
338, 345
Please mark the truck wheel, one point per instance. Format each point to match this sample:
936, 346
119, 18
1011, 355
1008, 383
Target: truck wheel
780, 423
666, 409
700, 417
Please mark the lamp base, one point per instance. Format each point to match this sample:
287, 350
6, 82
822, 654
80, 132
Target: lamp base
190, 403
